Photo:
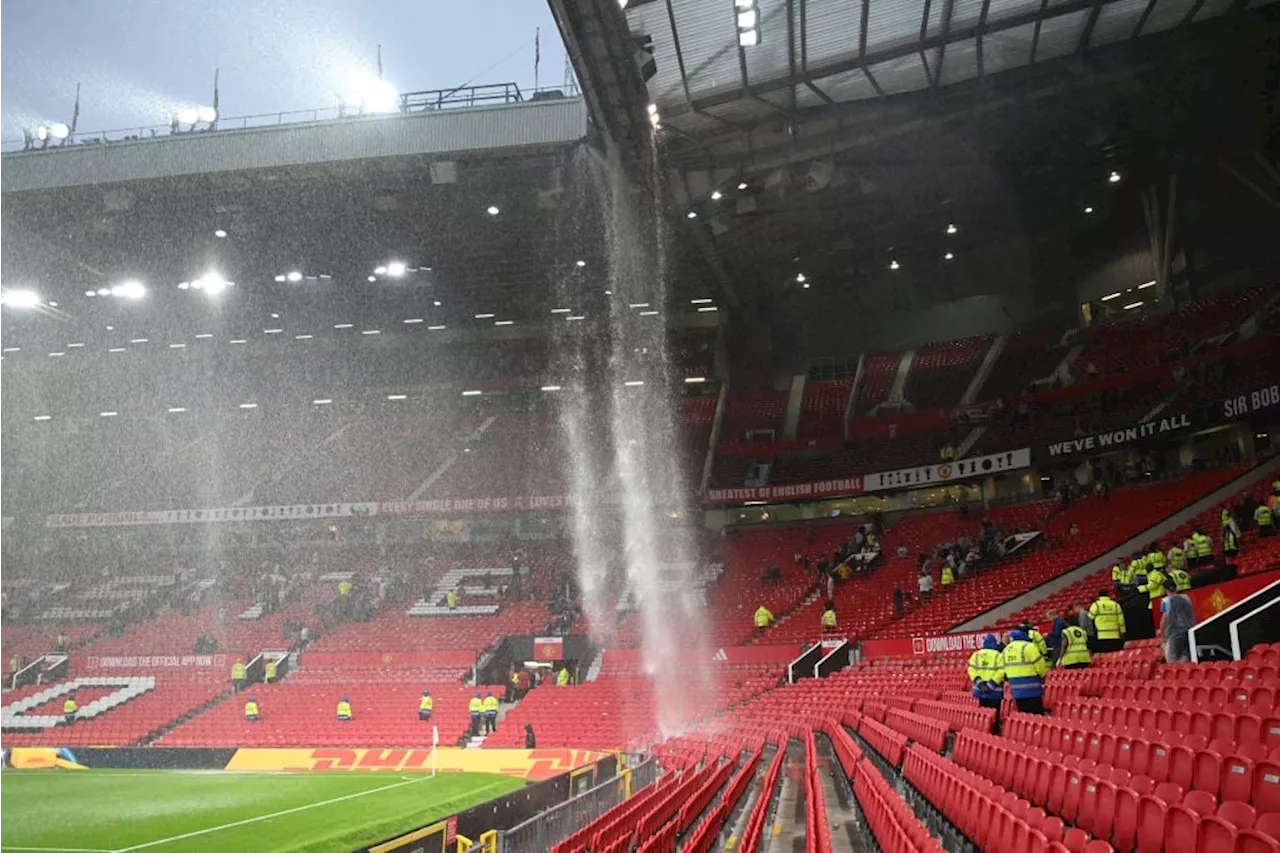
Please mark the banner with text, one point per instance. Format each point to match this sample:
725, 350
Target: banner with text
786, 492
299, 512
460, 660
530, 764
949, 472
489, 504
1117, 439
80, 662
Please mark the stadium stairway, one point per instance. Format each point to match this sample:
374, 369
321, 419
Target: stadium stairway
1028, 599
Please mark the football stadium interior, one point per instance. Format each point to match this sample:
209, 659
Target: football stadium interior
820, 425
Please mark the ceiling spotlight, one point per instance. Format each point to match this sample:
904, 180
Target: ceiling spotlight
372, 279
281, 278
581, 264
1088, 210
436, 303
294, 275
951, 229
396, 269
104, 291
91, 293
484, 316
129, 290
893, 265
805, 285
716, 195
694, 380
492, 210
703, 301
550, 387
948, 256
1114, 177
219, 233
742, 185
395, 396
693, 214
324, 401
379, 270
800, 277
248, 405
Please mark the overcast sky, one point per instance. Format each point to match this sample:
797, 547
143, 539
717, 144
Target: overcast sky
138, 59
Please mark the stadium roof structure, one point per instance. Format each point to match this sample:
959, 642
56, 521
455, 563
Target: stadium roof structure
398, 224
839, 150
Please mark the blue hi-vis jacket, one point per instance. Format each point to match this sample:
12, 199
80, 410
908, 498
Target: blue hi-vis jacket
1024, 667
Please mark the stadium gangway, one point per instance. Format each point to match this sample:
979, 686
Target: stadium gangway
1211, 639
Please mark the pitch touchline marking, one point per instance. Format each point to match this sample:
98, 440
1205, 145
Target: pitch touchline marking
247, 821
58, 849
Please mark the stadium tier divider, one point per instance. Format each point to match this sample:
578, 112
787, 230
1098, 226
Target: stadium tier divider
802, 667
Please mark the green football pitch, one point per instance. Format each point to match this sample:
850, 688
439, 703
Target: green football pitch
116, 811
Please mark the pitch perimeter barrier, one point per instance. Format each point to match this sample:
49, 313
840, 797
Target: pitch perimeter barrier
543, 831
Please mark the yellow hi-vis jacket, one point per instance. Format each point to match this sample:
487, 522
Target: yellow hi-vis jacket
490, 704
1156, 560
70, 706
451, 600
1120, 574
426, 703
1040, 642
1263, 515
763, 617
270, 670
948, 575
1108, 619
828, 619
562, 678
1154, 587
251, 709
986, 667
1024, 669
237, 672
344, 709
1204, 545
1181, 580
476, 705
1177, 558
1075, 646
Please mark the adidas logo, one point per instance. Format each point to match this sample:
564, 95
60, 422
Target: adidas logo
720, 655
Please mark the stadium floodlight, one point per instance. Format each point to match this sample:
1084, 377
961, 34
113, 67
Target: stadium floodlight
484, 316
492, 210
633, 383
693, 214
1088, 210
1111, 296
748, 38
561, 310
397, 396
139, 340
395, 269
116, 349
59, 354
706, 308
272, 331
372, 279
649, 313
372, 95
104, 291
638, 305
177, 346
435, 328
207, 114
1146, 285
716, 195
11, 349
948, 256
59, 131
472, 393
108, 414
91, 293
503, 322
131, 289
379, 270
1131, 305
742, 185
436, 303
248, 405
371, 332
303, 337
174, 410
412, 320
1114, 177
324, 401
703, 301
237, 341
42, 133
188, 115
21, 299
805, 285
694, 380
800, 277
576, 317
581, 264
219, 233
344, 326
951, 229
550, 387
894, 265
280, 278
43, 417
294, 276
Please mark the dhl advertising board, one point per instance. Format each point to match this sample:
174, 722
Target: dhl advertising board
532, 765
